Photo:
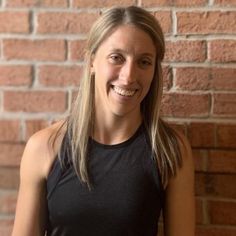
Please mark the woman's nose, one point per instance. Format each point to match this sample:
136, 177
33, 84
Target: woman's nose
128, 72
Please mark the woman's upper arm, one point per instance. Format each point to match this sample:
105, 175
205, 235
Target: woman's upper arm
30, 215
179, 210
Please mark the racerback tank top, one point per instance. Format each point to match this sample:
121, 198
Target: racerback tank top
126, 197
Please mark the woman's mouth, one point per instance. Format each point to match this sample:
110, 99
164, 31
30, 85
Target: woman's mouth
123, 92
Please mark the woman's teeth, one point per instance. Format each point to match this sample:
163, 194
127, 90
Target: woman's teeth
124, 92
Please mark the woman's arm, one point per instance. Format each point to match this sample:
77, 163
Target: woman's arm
179, 209
31, 215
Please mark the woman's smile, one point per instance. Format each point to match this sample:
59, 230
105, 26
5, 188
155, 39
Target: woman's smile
123, 92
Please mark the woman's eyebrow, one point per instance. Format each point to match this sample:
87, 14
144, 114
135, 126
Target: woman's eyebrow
118, 50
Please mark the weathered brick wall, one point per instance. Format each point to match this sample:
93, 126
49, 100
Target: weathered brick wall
41, 56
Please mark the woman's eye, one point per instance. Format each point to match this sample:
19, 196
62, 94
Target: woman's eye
145, 63
116, 59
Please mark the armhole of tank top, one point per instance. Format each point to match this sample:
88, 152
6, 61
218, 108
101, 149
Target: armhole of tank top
55, 172
53, 177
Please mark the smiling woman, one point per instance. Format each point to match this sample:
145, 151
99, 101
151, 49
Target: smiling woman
113, 165
124, 67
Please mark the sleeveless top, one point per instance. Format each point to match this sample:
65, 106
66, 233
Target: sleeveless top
126, 197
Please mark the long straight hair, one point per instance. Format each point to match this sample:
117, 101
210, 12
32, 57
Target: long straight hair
80, 123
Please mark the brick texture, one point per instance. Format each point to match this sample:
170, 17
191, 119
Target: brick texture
37, 3
60, 75
9, 130
13, 75
152, 3
215, 185
192, 78
222, 161
68, 23
185, 51
226, 135
9, 178
165, 20
42, 49
226, 49
77, 50
215, 231
104, 3
11, 153
37, 101
222, 212
207, 22
202, 134
6, 226
224, 104
8, 202
14, 22
180, 105
225, 2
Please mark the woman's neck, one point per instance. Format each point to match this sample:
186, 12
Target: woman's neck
115, 130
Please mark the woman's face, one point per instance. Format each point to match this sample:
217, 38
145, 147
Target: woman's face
124, 66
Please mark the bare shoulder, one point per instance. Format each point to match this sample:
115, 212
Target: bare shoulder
40, 150
179, 210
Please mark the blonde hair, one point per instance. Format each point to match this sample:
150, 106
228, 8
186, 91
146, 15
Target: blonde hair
81, 120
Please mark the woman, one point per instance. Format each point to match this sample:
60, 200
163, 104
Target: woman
114, 164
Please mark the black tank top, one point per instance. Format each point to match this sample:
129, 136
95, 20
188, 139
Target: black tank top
126, 196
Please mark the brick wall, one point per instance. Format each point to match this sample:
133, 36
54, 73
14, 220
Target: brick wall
41, 56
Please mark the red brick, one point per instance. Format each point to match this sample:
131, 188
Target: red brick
37, 3
185, 105
223, 78
211, 22
8, 201
193, 78
60, 75
215, 185
199, 211
222, 161
14, 22
11, 153
224, 104
77, 50
167, 77
211, 230
35, 101
65, 23
32, 126
180, 127
200, 158
222, 50
222, 212
201, 134
165, 20
225, 2
226, 135
9, 178
185, 51
6, 225
15, 75
104, 3
155, 3
42, 50
9, 130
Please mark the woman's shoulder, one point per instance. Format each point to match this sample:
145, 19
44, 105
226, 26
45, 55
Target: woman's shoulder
42, 147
